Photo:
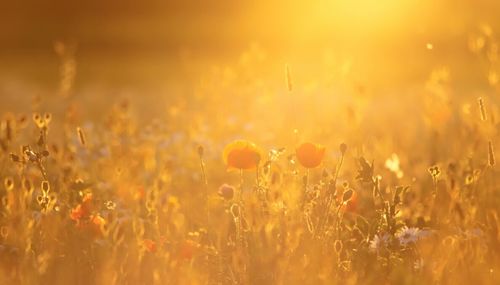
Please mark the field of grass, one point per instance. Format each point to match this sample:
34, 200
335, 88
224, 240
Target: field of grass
354, 164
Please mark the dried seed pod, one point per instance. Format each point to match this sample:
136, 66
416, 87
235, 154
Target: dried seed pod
47, 117
343, 148
110, 205
481, 109
226, 191
15, 157
200, 150
45, 186
9, 183
81, 136
36, 117
27, 185
39, 121
491, 154
8, 129
347, 195
337, 246
434, 171
4, 232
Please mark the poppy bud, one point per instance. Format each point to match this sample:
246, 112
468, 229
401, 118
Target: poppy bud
343, 148
226, 191
200, 150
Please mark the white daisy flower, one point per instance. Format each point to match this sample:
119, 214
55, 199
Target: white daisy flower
379, 242
408, 235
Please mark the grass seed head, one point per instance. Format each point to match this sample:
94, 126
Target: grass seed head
491, 154
81, 136
482, 109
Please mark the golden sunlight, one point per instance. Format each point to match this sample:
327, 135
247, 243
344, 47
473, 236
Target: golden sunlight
249, 142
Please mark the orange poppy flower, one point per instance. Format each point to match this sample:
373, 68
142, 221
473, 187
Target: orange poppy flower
241, 154
187, 249
149, 245
83, 209
91, 226
96, 224
351, 205
77, 213
310, 155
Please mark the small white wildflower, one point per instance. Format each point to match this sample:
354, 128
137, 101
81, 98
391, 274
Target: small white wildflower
392, 164
408, 235
379, 242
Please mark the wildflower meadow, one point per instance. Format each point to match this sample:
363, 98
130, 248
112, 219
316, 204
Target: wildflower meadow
272, 143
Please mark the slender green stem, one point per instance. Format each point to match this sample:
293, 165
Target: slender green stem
240, 194
330, 197
305, 184
337, 169
205, 184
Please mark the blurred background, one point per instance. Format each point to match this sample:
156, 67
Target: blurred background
154, 51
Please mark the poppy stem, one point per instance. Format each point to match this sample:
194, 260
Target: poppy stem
337, 169
257, 175
240, 198
205, 184
305, 182
330, 197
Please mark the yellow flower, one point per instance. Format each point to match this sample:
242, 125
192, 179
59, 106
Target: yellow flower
310, 155
241, 154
